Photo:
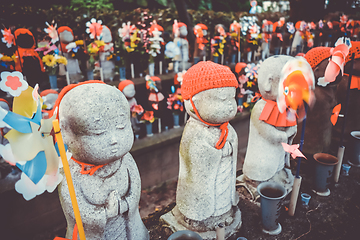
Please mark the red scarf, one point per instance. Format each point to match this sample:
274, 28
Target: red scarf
223, 127
91, 168
271, 115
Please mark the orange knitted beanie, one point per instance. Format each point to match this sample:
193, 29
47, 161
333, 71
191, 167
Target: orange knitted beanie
206, 75
355, 48
124, 83
316, 55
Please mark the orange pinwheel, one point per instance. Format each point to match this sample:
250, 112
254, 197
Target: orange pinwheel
8, 37
335, 114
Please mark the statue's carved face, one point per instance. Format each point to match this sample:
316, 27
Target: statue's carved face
97, 126
183, 31
216, 105
269, 76
66, 37
129, 91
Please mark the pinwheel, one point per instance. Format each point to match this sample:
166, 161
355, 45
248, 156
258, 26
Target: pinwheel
335, 114
290, 27
343, 18
46, 49
251, 71
293, 150
253, 5
126, 30
8, 37
52, 32
296, 85
337, 62
94, 28
30, 140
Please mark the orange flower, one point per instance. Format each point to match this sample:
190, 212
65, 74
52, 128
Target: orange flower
148, 116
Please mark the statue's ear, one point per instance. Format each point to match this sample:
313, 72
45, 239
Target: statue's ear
267, 84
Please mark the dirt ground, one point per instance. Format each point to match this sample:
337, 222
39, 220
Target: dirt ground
334, 217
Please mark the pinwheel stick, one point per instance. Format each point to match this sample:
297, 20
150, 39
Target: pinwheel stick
69, 179
62, 54
297, 180
239, 38
101, 70
341, 149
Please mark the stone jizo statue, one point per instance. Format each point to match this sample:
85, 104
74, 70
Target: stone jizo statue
206, 194
95, 123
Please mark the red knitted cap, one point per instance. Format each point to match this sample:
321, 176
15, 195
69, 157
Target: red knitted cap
65, 28
355, 48
124, 83
48, 91
316, 55
206, 75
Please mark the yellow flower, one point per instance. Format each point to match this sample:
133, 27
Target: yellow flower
49, 60
14, 57
92, 48
99, 43
79, 42
128, 49
249, 84
62, 60
6, 59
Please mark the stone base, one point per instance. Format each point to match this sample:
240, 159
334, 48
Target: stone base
322, 194
170, 221
277, 231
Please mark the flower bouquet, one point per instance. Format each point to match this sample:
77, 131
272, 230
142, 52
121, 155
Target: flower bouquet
148, 118
130, 41
51, 64
136, 110
176, 103
218, 43
7, 61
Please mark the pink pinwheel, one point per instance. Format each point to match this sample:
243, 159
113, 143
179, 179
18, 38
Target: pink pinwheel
46, 49
343, 19
94, 28
293, 150
51, 30
337, 62
126, 30
8, 37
